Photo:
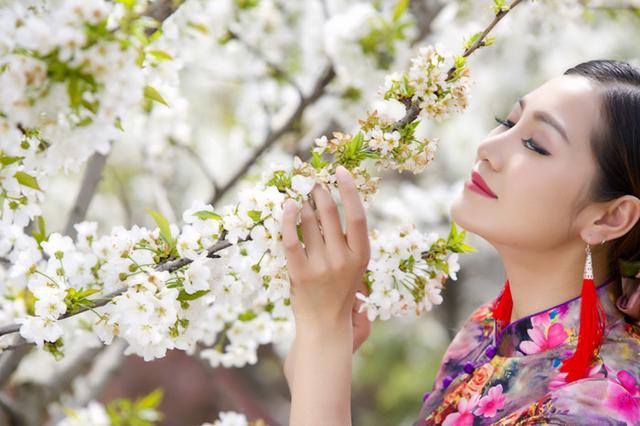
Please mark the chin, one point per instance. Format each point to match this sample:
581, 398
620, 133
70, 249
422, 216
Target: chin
462, 214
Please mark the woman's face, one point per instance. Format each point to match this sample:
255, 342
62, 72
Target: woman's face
540, 184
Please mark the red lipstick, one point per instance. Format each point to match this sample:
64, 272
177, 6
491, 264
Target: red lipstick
477, 184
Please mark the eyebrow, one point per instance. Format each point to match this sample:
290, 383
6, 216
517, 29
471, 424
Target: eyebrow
546, 118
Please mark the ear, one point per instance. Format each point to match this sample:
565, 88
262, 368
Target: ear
616, 220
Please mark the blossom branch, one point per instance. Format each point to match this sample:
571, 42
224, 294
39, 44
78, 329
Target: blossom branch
327, 75
413, 108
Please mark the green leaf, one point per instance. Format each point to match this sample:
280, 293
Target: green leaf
317, 162
118, 124
400, 9
161, 55
472, 39
152, 94
198, 27
206, 214
186, 297
163, 225
6, 160
150, 401
247, 316
256, 215
40, 235
27, 180
497, 6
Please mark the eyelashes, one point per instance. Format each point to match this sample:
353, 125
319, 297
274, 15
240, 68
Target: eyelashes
529, 142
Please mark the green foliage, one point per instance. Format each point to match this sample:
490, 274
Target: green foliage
354, 152
27, 180
206, 214
256, 215
381, 39
78, 299
186, 297
317, 162
6, 160
247, 4
281, 180
141, 412
160, 55
247, 315
152, 94
455, 241
55, 348
498, 6
165, 229
40, 234
400, 9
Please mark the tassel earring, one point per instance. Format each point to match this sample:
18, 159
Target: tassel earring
592, 323
591, 328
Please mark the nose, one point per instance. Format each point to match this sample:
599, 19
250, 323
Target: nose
493, 149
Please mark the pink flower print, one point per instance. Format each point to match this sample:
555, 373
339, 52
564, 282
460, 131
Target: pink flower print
464, 416
629, 382
541, 341
621, 402
491, 402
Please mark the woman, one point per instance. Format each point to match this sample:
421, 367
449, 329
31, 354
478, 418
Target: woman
561, 177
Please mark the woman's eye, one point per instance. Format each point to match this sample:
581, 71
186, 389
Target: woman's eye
505, 122
529, 142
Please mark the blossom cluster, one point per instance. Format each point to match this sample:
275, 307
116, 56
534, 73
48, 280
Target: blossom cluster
407, 272
70, 71
162, 289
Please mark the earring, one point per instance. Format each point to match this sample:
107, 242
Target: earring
592, 323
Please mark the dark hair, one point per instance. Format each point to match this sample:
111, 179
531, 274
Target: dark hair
616, 145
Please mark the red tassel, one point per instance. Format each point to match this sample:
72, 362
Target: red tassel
502, 310
591, 332
592, 323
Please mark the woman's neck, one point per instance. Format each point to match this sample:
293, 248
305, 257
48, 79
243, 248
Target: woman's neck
541, 280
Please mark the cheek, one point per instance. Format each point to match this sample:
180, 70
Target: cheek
537, 205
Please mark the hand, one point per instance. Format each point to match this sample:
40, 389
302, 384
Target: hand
325, 273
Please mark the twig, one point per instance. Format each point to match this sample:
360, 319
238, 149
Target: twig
200, 163
279, 71
325, 78
170, 266
11, 358
90, 180
104, 367
413, 109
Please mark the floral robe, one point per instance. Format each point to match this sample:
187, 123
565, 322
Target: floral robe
510, 376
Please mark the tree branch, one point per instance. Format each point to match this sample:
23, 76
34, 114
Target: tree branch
278, 70
90, 180
413, 108
171, 266
272, 136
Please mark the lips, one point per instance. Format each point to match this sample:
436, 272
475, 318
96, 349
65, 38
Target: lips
477, 179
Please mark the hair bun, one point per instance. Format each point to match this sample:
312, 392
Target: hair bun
629, 301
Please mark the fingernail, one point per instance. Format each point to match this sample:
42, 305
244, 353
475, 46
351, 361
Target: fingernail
341, 172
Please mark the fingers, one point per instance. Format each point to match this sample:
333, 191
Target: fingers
329, 220
355, 216
311, 235
293, 250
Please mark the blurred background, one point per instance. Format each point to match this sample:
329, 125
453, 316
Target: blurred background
236, 106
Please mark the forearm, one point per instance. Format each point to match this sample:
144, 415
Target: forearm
321, 381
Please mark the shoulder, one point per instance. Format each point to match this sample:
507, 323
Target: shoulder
477, 328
